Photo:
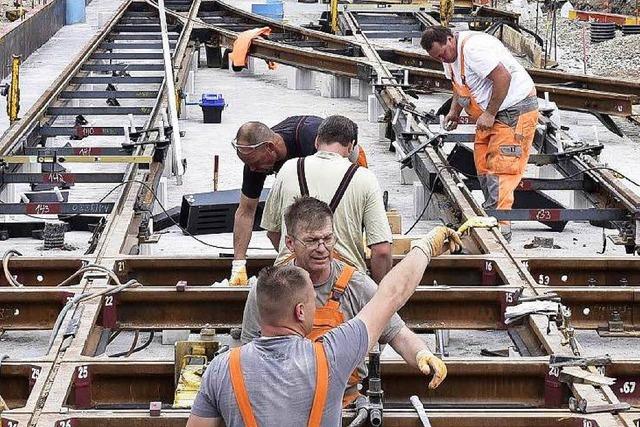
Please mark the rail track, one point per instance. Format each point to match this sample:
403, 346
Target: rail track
74, 384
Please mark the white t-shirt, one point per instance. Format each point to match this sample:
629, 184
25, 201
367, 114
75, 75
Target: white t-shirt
482, 54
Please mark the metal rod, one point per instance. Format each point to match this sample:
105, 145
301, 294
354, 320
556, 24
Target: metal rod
171, 95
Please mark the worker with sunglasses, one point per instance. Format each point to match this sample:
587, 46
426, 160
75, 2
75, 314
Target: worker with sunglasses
263, 151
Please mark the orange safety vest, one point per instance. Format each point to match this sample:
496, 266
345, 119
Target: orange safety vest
466, 98
319, 398
329, 317
362, 158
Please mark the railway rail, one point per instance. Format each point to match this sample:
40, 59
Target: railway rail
72, 385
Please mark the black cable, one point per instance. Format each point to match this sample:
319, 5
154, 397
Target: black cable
113, 336
128, 353
431, 192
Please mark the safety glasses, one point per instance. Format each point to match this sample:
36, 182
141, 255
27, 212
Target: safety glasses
246, 149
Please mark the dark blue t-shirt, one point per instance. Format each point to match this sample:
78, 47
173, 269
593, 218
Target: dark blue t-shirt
299, 134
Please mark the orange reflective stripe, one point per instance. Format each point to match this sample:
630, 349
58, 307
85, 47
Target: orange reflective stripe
339, 287
463, 79
322, 385
239, 389
362, 158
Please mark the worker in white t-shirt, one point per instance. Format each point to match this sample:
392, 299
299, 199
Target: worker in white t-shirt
497, 92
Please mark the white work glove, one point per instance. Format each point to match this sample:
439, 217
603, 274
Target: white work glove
439, 240
239, 273
427, 363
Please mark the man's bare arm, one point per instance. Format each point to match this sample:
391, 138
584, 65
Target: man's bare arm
456, 108
274, 237
400, 283
501, 79
243, 226
381, 260
407, 344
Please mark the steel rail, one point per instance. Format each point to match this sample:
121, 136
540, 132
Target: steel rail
610, 85
491, 383
335, 65
430, 307
392, 418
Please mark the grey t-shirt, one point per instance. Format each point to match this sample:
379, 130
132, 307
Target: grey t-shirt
360, 290
280, 376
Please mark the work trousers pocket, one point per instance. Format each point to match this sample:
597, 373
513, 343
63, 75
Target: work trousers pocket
504, 152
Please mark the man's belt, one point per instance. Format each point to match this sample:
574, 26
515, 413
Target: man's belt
509, 116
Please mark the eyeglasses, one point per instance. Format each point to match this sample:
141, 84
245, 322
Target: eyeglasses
246, 149
312, 244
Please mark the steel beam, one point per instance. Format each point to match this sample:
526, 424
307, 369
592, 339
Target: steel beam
117, 80
470, 384
118, 94
60, 178
560, 215
83, 131
457, 270
392, 418
99, 111
55, 208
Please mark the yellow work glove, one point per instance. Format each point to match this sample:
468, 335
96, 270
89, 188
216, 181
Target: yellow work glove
439, 240
239, 273
428, 363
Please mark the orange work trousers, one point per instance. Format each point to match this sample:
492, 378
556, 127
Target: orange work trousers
501, 155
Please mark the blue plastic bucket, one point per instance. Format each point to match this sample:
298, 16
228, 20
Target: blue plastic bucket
272, 9
75, 12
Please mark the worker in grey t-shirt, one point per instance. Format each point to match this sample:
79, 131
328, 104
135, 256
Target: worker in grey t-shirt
341, 291
284, 379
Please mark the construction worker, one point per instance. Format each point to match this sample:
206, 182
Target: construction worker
341, 292
352, 193
285, 379
497, 92
264, 150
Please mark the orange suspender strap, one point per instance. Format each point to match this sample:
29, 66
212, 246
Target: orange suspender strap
322, 385
340, 286
239, 389
463, 78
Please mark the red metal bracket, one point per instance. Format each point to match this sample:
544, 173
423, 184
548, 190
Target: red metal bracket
554, 390
627, 388
109, 312
155, 409
489, 274
82, 387
33, 376
506, 299
181, 286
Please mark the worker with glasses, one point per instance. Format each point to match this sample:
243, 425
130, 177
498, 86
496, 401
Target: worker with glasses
284, 378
